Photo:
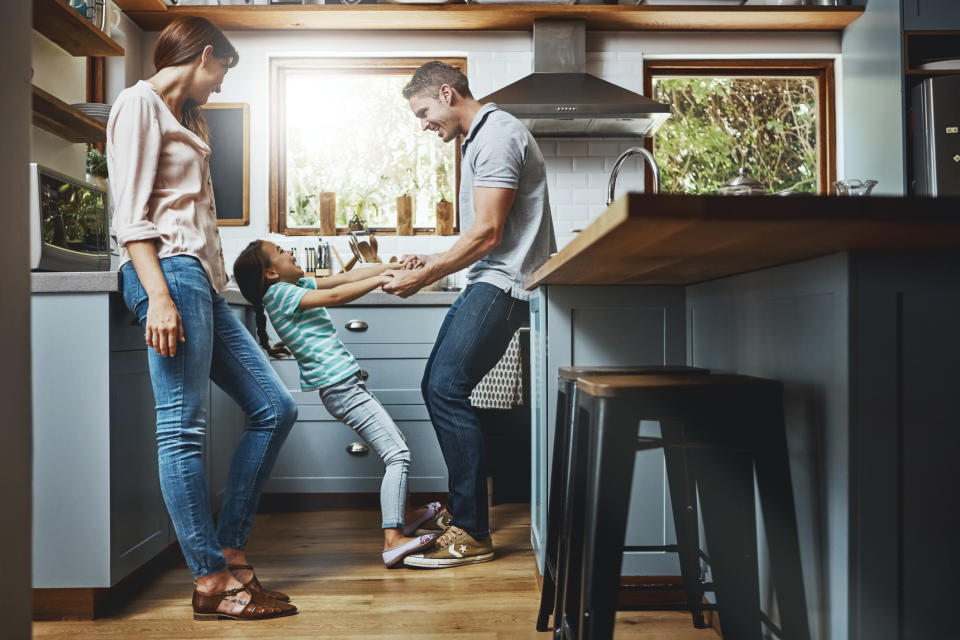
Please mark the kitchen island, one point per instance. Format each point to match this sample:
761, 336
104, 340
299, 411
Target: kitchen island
852, 303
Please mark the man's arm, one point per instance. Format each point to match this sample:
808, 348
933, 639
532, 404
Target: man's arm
491, 205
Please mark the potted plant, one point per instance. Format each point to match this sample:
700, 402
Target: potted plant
444, 225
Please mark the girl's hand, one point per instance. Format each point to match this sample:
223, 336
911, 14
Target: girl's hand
414, 261
164, 327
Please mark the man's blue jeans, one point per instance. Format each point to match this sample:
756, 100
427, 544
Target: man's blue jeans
473, 337
218, 347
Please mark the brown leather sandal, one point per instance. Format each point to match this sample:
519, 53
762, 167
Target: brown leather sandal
254, 583
260, 606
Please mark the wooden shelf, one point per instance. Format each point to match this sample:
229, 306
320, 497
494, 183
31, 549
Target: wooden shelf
508, 17
76, 35
141, 5
59, 118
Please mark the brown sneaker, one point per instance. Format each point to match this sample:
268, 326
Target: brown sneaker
439, 523
259, 606
453, 548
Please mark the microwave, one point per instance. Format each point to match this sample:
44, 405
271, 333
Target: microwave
69, 228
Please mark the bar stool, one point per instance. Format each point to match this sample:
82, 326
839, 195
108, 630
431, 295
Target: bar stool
732, 426
561, 482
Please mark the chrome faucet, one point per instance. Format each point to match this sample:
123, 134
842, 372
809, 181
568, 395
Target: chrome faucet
633, 151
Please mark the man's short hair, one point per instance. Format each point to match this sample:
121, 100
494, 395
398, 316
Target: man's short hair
431, 76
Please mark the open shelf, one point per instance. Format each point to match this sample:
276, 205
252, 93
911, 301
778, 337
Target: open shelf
141, 5
924, 46
76, 35
59, 118
508, 17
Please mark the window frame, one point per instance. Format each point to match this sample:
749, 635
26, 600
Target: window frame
822, 70
280, 68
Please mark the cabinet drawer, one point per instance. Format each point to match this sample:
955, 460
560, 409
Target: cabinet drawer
125, 332
388, 324
315, 460
391, 380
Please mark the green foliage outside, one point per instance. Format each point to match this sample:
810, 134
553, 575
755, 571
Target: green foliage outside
356, 137
718, 125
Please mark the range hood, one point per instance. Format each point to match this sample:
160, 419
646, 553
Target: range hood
559, 99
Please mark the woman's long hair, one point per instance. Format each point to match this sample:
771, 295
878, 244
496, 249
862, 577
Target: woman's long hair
250, 271
181, 42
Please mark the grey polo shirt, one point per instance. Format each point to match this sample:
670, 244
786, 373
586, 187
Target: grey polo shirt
500, 152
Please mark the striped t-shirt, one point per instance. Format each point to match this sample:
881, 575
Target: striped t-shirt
309, 334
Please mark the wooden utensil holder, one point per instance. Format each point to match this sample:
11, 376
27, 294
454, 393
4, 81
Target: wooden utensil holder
444, 218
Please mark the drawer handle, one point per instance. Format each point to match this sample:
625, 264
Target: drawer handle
357, 449
356, 325
364, 374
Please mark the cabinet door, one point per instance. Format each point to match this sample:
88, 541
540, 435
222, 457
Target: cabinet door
139, 527
315, 459
931, 14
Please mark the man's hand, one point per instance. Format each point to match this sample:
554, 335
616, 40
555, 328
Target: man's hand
406, 282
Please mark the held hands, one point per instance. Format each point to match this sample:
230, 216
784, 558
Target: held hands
164, 327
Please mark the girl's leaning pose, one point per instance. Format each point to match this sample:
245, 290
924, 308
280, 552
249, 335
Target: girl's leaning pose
172, 272
270, 279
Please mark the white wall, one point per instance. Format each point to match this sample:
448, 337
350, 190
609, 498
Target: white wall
15, 432
59, 73
577, 169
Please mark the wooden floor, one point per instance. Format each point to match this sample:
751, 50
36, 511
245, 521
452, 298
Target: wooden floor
329, 562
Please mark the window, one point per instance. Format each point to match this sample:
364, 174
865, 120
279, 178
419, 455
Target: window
772, 118
342, 126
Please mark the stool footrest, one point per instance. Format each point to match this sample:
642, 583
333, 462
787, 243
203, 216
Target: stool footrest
706, 606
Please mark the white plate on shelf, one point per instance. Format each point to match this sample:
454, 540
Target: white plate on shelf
941, 65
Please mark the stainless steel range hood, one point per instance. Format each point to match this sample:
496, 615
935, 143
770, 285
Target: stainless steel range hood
559, 99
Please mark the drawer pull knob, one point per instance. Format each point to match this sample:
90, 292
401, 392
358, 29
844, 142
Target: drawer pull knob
364, 374
357, 449
356, 325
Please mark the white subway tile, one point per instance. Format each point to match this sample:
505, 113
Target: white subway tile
571, 148
547, 147
604, 148
588, 164
560, 196
569, 212
558, 165
588, 196
571, 180
599, 180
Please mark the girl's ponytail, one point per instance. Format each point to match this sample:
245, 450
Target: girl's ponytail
248, 271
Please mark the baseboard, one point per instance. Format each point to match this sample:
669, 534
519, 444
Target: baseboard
295, 502
92, 603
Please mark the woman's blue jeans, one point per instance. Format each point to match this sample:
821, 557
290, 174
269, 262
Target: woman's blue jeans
473, 337
218, 347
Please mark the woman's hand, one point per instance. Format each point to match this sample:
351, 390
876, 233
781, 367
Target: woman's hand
164, 327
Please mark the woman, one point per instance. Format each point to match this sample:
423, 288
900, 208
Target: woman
172, 272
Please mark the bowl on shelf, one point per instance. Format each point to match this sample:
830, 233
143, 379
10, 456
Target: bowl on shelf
95, 110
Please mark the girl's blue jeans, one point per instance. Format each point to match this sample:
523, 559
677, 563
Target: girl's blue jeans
218, 347
351, 403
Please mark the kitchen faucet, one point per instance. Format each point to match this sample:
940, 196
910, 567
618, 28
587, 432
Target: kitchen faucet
633, 151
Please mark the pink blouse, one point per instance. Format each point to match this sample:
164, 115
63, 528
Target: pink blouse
160, 182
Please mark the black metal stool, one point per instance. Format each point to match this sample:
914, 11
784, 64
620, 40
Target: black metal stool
732, 426
552, 595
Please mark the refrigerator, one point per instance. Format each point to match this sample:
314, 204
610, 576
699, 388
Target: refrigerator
936, 136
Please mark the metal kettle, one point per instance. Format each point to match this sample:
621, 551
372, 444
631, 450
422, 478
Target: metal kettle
743, 184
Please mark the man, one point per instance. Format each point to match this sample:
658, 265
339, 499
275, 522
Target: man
506, 234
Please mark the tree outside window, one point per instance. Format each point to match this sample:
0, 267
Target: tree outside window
344, 127
774, 120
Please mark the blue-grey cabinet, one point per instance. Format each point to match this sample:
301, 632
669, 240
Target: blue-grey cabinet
391, 344
608, 325
931, 14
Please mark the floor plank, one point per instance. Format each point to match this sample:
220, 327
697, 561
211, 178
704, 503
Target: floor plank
329, 562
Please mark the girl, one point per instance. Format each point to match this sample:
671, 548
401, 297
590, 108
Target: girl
172, 273
270, 279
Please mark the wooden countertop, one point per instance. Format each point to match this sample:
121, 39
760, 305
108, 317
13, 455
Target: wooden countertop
681, 240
